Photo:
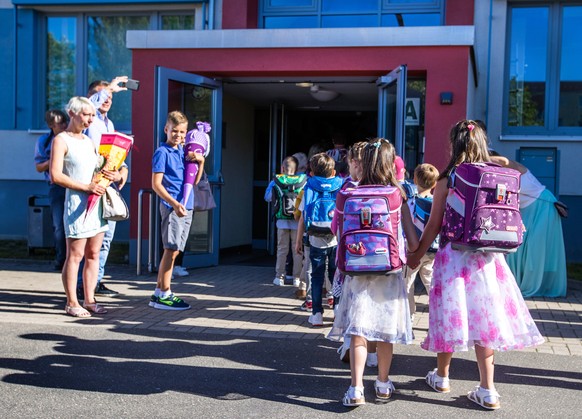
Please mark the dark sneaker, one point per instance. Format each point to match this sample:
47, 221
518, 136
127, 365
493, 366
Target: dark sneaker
171, 302
103, 290
153, 301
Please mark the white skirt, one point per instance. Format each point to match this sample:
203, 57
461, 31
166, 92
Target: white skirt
374, 307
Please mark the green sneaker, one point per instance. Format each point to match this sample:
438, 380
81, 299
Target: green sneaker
153, 301
171, 302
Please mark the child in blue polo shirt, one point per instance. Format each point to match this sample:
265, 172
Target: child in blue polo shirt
167, 180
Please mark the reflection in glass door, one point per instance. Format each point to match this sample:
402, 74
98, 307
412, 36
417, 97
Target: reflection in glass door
200, 99
391, 107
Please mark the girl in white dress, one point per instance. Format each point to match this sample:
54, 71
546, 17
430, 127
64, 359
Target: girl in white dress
374, 308
73, 163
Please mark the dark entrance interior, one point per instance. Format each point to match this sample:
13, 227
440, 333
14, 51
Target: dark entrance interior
302, 129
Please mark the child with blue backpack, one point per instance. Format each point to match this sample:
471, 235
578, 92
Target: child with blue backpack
373, 306
317, 208
420, 204
474, 299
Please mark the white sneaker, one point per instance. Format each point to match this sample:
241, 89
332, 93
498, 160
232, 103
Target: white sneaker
316, 319
372, 359
180, 271
296, 282
279, 282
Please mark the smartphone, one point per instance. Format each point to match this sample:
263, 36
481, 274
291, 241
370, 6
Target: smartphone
132, 84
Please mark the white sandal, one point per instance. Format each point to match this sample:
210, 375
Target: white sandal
438, 383
484, 397
384, 390
354, 397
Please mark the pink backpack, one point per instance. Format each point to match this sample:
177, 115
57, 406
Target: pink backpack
482, 209
368, 222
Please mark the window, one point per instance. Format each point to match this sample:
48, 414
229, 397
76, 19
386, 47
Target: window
85, 47
61, 53
349, 14
544, 81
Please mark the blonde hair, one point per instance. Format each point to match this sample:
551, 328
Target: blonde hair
176, 118
355, 151
426, 176
77, 104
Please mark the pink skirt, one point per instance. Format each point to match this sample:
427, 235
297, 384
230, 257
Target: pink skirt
474, 300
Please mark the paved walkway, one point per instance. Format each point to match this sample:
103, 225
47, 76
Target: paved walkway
237, 300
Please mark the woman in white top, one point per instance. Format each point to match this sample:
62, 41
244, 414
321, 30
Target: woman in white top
74, 161
539, 265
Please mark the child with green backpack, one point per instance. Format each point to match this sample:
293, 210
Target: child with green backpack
283, 190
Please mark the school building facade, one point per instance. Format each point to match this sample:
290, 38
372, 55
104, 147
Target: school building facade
274, 77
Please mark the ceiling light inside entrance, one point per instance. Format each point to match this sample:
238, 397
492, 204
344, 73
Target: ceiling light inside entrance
323, 95
304, 84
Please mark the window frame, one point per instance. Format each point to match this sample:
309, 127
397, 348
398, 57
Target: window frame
553, 66
385, 7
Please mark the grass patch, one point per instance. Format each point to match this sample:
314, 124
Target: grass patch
18, 249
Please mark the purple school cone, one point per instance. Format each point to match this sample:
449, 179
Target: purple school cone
197, 140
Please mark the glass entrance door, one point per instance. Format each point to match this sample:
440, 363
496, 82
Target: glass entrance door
277, 150
200, 99
391, 108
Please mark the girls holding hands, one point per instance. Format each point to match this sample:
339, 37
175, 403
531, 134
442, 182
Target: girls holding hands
474, 299
375, 307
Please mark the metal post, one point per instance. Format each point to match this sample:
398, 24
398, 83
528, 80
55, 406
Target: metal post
139, 228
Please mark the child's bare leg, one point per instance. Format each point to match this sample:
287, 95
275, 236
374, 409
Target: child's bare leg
485, 361
443, 363
371, 346
385, 351
165, 269
358, 354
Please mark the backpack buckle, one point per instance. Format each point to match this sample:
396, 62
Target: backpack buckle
366, 217
500, 192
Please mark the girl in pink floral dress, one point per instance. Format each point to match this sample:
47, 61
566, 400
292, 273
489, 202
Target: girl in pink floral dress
474, 299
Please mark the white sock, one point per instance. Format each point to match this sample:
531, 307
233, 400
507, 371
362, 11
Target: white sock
165, 294
157, 292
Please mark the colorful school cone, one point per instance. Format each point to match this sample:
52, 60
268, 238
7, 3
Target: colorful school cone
197, 140
114, 148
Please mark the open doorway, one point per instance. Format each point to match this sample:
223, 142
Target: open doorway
287, 118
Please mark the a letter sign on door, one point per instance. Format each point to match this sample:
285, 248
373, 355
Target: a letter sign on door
412, 111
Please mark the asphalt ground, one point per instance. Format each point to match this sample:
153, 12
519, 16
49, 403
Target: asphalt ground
244, 350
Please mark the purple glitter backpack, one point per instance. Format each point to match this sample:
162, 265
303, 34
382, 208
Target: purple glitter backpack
368, 222
482, 209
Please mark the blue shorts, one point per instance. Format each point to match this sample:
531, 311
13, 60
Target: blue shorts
175, 230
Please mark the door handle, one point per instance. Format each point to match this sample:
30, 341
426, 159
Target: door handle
220, 181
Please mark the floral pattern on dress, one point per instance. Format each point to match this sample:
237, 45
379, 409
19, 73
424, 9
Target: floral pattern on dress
474, 299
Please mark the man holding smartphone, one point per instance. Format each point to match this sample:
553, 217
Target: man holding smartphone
100, 93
